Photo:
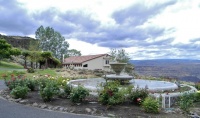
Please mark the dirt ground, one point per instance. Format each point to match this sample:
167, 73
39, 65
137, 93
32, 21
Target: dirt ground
91, 107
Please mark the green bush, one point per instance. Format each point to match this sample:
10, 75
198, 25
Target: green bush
186, 102
197, 86
30, 70
13, 83
197, 97
78, 94
137, 96
111, 95
19, 80
30, 83
48, 90
67, 89
150, 105
19, 92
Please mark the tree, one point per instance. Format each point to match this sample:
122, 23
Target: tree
25, 54
6, 50
51, 40
119, 55
73, 52
46, 56
122, 57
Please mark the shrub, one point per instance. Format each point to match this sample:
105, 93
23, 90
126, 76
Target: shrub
20, 92
137, 96
62, 81
14, 82
197, 86
150, 105
30, 70
197, 97
67, 89
111, 95
48, 90
78, 94
30, 83
186, 102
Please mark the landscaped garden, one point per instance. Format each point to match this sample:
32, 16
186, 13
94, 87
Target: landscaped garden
48, 89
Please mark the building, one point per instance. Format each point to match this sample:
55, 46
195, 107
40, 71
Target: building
90, 62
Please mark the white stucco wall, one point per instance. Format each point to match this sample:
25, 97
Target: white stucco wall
97, 63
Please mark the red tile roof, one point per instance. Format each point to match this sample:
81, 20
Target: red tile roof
81, 59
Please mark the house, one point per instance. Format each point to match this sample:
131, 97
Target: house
90, 62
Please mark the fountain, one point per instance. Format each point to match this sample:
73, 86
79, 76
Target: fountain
152, 85
117, 68
155, 86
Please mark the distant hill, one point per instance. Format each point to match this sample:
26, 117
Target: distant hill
18, 41
183, 69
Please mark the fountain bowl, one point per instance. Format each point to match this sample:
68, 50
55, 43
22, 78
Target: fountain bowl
117, 67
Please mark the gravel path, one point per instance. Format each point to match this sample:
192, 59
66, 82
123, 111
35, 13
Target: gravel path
14, 110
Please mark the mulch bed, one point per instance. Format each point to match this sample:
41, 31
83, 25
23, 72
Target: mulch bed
91, 106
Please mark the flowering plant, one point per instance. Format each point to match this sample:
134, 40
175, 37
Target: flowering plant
110, 94
137, 96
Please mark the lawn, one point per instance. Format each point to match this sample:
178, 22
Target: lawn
9, 65
11, 68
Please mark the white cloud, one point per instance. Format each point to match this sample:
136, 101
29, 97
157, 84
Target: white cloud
146, 29
86, 48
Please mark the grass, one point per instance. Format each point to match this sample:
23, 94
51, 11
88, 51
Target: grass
9, 65
38, 72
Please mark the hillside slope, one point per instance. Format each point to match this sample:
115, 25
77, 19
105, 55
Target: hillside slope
187, 70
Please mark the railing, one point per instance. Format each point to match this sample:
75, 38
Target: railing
167, 100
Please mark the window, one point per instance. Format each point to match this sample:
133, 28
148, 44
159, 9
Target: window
85, 65
107, 61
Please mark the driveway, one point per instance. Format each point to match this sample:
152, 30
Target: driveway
14, 110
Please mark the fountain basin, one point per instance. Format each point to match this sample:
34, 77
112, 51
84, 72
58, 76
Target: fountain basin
152, 85
118, 77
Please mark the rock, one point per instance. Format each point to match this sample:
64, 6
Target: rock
93, 102
94, 110
7, 97
23, 101
55, 108
193, 115
111, 115
43, 106
49, 107
11, 99
88, 110
65, 109
72, 110
61, 109
17, 100
35, 104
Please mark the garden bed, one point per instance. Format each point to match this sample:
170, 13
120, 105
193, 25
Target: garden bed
91, 106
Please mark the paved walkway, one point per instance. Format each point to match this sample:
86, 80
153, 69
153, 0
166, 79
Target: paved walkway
14, 110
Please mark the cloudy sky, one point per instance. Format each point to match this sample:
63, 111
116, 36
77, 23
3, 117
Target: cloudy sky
146, 29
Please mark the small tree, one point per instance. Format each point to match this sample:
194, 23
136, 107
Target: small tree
6, 50
25, 54
46, 56
119, 55
122, 57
